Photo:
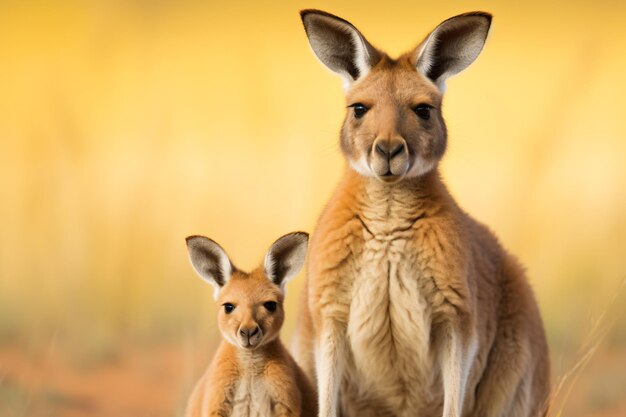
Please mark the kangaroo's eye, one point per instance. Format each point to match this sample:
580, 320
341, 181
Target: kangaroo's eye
270, 306
423, 111
228, 308
359, 110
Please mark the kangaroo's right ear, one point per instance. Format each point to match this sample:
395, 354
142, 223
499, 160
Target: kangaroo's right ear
339, 45
210, 261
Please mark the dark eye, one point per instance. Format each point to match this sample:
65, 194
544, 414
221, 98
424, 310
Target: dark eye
359, 110
228, 308
270, 306
422, 111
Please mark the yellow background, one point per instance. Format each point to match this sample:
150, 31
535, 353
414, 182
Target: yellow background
127, 125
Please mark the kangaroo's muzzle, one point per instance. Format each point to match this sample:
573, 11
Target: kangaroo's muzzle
389, 159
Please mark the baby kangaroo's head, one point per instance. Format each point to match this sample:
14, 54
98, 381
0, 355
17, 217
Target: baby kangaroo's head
251, 304
393, 127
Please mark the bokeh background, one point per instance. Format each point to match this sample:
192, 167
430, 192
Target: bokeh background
127, 125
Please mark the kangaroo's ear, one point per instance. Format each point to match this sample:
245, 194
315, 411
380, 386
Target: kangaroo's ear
339, 45
210, 261
285, 258
452, 46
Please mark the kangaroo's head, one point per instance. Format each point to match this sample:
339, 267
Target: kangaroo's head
393, 128
251, 304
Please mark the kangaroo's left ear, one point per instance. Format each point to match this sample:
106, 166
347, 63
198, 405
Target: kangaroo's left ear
452, 46
286, 257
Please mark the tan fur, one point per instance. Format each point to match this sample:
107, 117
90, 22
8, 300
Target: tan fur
263, 380
413, 308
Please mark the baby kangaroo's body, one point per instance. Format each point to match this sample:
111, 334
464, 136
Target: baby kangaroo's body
263, 382
252, 374
412, 308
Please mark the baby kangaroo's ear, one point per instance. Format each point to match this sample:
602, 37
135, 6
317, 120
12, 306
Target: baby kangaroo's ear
210, 261
452, 46
285, 258
339, 45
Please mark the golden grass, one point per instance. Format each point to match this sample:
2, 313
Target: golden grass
592, 343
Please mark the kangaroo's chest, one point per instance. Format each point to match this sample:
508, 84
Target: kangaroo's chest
389, 324
252, 399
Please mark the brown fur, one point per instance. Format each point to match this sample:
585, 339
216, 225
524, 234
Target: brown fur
411, 306
245, 379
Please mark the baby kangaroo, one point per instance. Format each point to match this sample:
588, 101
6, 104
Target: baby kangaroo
252, 374
412, 307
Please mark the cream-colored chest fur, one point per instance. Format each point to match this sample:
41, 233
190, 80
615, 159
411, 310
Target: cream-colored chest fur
251, 397
389, 322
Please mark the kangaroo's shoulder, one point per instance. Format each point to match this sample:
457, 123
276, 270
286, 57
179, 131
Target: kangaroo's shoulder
225, 368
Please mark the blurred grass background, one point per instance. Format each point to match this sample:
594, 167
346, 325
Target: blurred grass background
127, 125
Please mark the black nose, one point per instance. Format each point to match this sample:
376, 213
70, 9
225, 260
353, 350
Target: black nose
389, 149
249, 332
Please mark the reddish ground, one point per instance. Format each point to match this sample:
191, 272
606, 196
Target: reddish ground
150, 382
155, 381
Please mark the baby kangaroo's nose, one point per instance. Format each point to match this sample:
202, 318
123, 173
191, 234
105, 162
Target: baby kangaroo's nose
250, 332
389, 149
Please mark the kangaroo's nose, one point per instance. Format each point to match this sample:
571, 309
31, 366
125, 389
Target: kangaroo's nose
389, 149
249, 332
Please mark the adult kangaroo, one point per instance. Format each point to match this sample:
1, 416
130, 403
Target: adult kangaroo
411, 307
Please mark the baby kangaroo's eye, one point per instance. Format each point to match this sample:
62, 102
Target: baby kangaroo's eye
270, 306
228, 308
359, 110
423, 111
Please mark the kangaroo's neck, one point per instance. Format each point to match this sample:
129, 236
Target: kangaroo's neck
386, 207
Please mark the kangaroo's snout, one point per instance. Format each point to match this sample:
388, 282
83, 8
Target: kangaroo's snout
389, 158
249, 336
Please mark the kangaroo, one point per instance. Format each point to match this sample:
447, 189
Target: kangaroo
252, 373
411, 307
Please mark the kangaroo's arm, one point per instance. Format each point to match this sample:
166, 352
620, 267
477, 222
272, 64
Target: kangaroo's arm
331, 342
284, 390
456, 341
330, 358
330, 275
218, 403
330, 309
214, 394
204, 402
457, 351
